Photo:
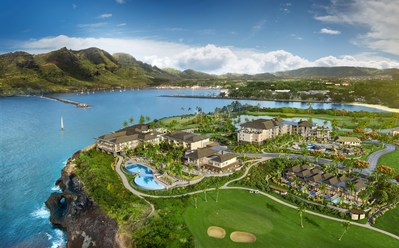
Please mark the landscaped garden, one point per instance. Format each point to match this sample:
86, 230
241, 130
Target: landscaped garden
273, 225
391, 159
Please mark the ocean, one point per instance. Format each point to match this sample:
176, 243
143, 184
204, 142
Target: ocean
33, 149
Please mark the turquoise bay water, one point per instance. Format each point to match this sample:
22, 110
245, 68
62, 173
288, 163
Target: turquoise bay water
33, 150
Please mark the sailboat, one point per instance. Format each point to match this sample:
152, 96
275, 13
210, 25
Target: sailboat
62, 124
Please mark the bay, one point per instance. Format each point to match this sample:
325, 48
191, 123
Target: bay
33, 149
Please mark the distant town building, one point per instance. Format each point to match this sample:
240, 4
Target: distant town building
257, 131
395, 132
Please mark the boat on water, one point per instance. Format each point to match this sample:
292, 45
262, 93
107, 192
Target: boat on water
62, 124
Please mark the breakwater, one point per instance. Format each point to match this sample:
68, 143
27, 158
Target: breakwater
77, 104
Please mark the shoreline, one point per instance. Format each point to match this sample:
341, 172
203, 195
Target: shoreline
376, 106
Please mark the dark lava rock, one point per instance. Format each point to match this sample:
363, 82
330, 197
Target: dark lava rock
73, 211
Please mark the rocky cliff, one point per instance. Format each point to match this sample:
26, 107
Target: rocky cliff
75, 212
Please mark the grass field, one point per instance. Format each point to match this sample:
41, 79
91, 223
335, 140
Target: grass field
343, 121
273, 224
391, 159
389, 221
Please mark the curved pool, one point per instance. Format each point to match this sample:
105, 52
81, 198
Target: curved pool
145, 178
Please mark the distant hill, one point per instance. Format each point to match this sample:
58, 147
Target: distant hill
66, 70
338, 72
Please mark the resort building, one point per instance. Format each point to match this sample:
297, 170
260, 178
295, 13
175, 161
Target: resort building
395, 132
334, 187
350, 141
212, 158
257, 131
189, 141
128, 138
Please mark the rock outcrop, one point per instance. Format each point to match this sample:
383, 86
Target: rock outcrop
75, 212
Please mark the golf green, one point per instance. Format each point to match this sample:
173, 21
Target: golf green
273, 224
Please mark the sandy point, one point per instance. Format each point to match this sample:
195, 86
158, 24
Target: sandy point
379, 107
242, 237
216, 232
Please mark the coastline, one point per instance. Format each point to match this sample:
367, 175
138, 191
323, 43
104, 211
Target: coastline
376, 106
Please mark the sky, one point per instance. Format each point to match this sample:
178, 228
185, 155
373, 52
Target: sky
214, 36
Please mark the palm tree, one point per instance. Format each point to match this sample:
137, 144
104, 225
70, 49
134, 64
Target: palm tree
217, 193
147, 118
125, 124
131, 120
301, 210
190, 169
195, 201
345, 225
206, 199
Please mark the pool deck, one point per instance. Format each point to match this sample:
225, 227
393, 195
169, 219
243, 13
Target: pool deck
154, 170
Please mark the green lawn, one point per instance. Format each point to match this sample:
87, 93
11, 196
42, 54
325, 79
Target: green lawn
391, 159
273, 224
389, 221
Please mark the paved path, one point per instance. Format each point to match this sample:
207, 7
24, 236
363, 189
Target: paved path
374, 157
225, 186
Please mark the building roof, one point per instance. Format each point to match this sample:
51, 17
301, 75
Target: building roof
263, 123
305, 173
201, 153
186, 137
327, 175
315, 178
278, 189
305, 124
124, 139
348, 139
332, 181
360, 184
224, 157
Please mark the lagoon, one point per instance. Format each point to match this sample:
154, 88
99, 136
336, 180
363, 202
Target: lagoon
33, 149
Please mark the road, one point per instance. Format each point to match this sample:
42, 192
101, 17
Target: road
374, 157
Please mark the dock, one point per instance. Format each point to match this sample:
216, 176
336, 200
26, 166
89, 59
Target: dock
77, 104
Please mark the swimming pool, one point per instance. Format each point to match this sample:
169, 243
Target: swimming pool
145, 179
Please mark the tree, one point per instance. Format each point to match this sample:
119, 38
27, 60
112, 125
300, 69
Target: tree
217, 192
345, 225
190, 169
361, 164
131, 120
142, 119
125, 124
195, 201
147, 118
301, 210
206, 199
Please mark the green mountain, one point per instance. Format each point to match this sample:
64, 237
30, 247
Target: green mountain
66, 70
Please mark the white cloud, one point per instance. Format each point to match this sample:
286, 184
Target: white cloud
209, 58
120, 1
121, 24
258, 26
329, 31
92, 25
105, 15
380, 18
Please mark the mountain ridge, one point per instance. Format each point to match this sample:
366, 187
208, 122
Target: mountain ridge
65, 70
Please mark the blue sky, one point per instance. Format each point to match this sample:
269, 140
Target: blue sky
215, 36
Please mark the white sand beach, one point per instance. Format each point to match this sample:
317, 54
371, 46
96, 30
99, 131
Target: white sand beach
380, 107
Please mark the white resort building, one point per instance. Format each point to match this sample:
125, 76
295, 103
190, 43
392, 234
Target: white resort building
190, 141
259, 130
128, 137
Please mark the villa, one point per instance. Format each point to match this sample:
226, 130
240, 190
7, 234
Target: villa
212, 158
128, 138
189, 141
260, 130
313, 177
350, 141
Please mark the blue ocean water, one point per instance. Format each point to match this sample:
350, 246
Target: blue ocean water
33, 149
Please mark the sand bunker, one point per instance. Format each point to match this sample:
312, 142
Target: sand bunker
216, 232
242, 237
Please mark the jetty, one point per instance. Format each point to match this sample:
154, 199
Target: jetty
77, 104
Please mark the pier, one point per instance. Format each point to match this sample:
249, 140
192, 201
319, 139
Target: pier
77, 104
